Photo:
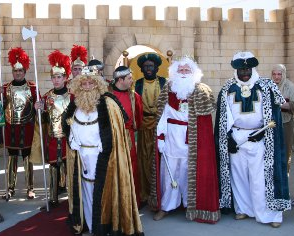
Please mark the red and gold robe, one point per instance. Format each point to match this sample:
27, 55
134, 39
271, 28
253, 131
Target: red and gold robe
203, 194
132, 104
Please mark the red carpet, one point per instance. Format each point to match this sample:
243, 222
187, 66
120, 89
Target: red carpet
51, 223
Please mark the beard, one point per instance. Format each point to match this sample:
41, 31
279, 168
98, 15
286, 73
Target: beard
183, 85
87, 100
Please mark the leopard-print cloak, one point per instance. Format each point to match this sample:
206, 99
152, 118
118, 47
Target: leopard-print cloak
201, 106
275, 166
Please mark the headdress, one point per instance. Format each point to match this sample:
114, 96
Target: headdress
244, 60
121, 71
60, 63
95, 64
78, 55
18, 58
86, 71
280, 67
149, 57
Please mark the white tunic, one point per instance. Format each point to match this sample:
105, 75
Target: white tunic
175, 135
176, 151
247, 165
86, 140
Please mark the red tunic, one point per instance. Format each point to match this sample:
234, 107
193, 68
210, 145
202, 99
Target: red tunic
130, 100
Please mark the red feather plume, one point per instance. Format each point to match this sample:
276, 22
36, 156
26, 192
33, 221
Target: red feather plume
79, 51
67, 66
19, 55
56, 58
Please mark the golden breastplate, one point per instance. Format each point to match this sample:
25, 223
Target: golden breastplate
20, 105
56, 104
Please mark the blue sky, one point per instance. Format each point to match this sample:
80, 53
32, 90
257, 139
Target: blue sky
267, 5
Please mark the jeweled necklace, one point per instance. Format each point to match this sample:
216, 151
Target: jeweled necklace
245, 91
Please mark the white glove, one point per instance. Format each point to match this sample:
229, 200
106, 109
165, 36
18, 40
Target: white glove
160, 145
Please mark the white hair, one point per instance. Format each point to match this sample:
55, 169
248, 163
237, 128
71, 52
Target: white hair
183, 87
197, 73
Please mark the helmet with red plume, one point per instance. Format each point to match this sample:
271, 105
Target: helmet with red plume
18, 59
60, 63
78, 55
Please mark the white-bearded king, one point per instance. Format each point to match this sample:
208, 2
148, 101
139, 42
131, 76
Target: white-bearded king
185, 137
102, 181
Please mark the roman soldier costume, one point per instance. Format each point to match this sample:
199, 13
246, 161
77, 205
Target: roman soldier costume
78, 56
55, 103
20, 96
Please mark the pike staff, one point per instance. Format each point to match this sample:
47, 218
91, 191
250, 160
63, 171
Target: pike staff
29, 33
3, 128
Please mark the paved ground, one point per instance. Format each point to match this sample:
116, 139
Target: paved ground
175, 224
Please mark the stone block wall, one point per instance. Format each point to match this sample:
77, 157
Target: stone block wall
212, 43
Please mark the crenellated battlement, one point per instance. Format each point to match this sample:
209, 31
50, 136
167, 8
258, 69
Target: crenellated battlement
148, 13
211, 42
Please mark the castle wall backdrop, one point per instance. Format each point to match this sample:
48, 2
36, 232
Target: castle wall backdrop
212, 43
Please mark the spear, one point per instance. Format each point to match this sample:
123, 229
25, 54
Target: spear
3, 128
30, 33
